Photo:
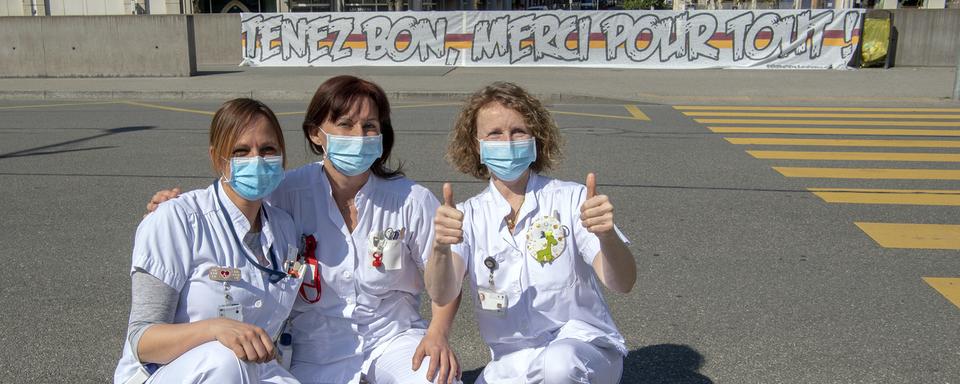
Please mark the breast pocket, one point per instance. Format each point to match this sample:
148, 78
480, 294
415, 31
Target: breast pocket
550, 257
385, 261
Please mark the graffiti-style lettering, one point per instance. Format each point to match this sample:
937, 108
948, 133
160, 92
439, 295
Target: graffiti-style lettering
768, 22
267, 34
699, 29
518, 30
617, 29
489, 39
850, 22
641, 39
294, 38
737, 30
673, 37
812, 28
248, 32
317, 30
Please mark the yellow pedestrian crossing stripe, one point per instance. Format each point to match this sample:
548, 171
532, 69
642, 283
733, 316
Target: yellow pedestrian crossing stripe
949, 287
913, 236
856, 156
937, 197
919, 128
844, 142
839, 131
882, 123
829, 109
870, 173
826, 115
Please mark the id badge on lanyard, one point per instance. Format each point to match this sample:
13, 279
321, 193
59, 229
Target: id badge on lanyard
491, 299
225, 275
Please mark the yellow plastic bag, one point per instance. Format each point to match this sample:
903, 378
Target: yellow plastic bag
876, 42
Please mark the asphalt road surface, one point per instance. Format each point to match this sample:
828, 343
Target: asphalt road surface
745, 274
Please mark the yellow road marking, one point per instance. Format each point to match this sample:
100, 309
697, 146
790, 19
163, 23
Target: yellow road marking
844, 143
870, 173
595, 115
58, 105
913, 236
856, 156
949, 287
636, 112
166, 108
839, 131
812, 109
939, 197
884, 123
827, 115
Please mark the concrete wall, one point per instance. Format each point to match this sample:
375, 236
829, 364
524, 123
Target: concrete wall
173, 45
927, 37
12, 8
96, 46
218, 39
94, 7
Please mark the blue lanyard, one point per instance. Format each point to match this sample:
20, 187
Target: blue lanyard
276, 274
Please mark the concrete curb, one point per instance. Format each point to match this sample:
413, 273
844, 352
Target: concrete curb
552, 98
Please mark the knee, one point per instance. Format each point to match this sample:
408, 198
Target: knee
562, 365
218, 364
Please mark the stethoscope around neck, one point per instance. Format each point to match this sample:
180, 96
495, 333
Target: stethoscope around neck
275, 275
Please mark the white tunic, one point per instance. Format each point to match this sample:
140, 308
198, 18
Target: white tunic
185, 237
545, 302
362, 307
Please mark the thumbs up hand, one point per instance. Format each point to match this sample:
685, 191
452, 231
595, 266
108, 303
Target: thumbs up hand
596, 213
448, 223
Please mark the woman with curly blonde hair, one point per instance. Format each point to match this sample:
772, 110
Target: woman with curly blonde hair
535, 249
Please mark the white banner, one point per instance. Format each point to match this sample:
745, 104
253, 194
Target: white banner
776, 39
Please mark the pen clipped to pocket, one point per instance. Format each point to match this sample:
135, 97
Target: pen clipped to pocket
386, 249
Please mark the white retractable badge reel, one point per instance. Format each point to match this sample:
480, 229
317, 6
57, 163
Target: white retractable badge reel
490, 298
226, 275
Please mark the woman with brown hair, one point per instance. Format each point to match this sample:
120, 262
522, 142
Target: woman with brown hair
215, 272
361, 320
367, 235
534, 248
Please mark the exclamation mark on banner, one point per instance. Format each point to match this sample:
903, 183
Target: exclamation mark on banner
851, 20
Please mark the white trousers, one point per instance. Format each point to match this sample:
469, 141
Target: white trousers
394, 365
212, 362
391, 365
562, 361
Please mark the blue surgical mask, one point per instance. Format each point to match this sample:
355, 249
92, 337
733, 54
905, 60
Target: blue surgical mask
508, 159
353, 155
253, 178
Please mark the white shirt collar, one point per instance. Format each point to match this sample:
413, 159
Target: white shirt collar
529, 205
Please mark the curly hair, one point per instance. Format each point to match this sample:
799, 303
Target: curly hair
334, 98
463, 152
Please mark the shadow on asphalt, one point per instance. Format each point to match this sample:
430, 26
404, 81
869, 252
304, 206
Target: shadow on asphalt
656, 364
212, 73
664, 363
63, 147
